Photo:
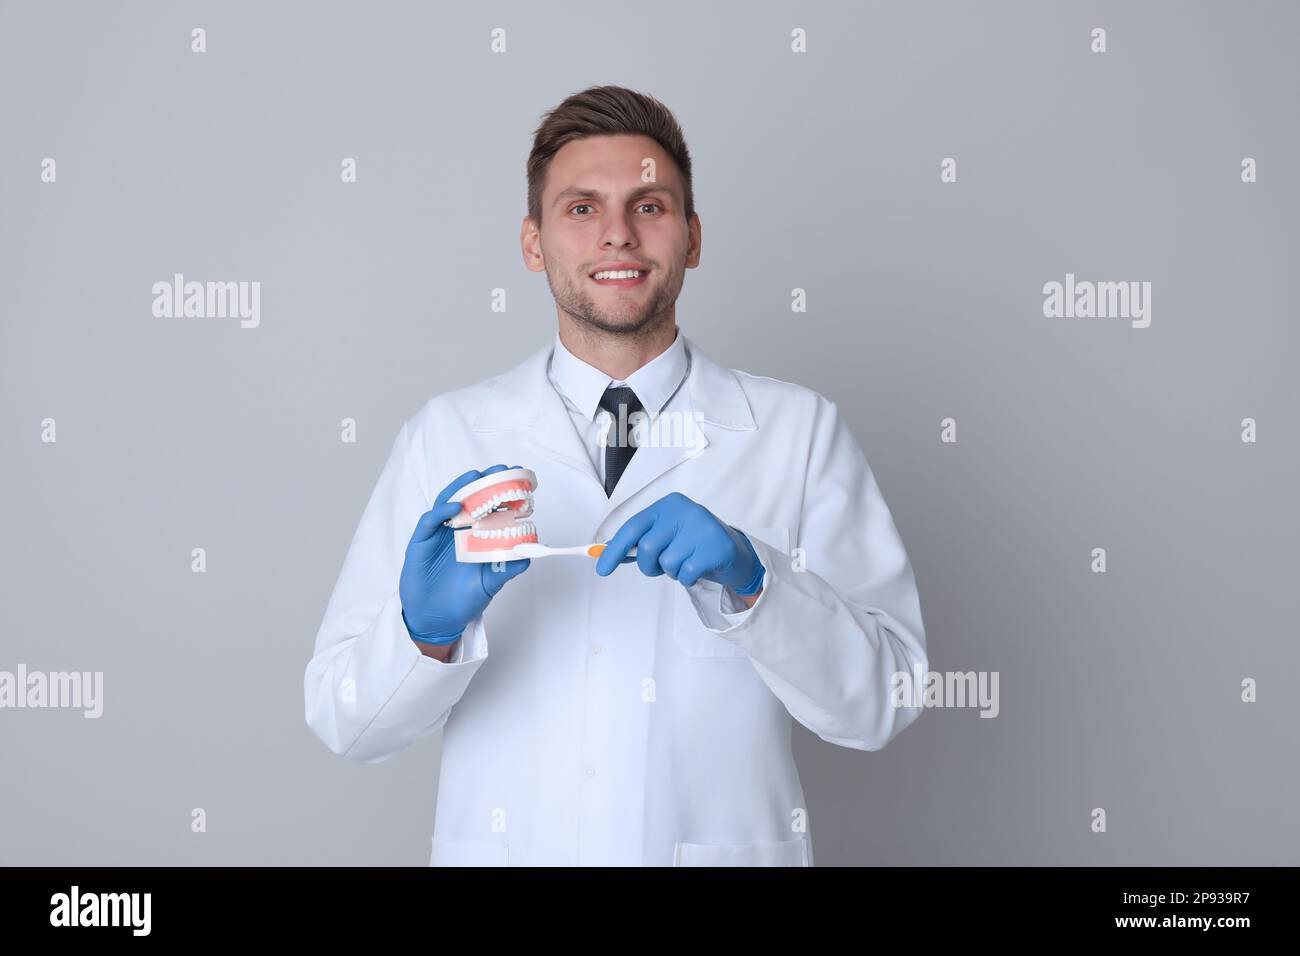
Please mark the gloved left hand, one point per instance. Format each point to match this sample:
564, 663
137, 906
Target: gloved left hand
682, 539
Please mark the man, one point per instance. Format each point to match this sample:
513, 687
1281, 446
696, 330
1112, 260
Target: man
638, 711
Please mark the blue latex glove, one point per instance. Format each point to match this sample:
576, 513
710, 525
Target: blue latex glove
682, 539
441, 595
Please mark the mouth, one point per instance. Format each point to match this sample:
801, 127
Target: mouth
495, 515
620, 278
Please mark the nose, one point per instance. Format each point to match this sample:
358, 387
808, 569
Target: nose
617, 230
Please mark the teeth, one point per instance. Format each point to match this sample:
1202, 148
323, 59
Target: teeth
516, 494
624, 274
523, 529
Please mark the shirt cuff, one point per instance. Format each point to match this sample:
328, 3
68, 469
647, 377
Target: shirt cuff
731, 604
721, 611
471, 647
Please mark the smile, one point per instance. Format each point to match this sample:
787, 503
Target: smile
620, 278
495, 513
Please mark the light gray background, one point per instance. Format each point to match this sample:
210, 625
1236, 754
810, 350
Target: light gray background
817, 171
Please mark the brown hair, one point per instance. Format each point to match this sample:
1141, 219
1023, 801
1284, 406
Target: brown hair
605, 111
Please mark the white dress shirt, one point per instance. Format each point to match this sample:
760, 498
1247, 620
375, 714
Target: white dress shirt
581, 386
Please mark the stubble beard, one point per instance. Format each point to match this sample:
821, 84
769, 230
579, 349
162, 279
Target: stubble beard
628, 318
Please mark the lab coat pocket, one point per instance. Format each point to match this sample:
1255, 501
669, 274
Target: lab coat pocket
689, 632
781, 853
469, 853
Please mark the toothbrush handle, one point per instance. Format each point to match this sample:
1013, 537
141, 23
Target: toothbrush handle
596, 550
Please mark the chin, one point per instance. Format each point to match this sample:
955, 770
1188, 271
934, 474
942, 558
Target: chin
616, 326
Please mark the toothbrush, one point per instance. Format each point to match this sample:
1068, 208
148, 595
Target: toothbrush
528, 549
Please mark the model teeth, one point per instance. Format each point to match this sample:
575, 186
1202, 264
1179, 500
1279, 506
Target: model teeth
624, 274
523, 529
497, 500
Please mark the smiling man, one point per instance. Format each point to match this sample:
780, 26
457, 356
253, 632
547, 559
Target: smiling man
636, 709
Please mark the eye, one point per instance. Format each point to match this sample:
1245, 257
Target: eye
585, 205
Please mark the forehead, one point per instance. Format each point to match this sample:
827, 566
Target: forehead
613, 162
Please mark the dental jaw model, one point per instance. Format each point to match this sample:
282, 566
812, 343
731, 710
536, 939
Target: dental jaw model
494, 516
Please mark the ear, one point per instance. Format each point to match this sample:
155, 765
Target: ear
694, 242
530, 242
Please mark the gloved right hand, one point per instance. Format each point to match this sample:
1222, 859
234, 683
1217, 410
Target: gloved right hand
439, 594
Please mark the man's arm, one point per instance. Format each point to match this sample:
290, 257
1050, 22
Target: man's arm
828, 637
370, 689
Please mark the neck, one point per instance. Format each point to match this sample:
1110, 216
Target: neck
617, 355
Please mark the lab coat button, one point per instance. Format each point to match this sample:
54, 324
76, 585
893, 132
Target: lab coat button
591, 772
595, 648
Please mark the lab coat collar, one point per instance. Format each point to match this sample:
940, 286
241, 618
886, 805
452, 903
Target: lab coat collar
518, 398
523, 399
654, 383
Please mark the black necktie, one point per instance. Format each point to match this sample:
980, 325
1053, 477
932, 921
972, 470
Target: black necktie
620, 402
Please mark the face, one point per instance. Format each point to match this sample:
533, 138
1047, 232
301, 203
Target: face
597, 214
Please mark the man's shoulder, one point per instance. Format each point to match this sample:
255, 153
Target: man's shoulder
768, 394
464, 404
772, 402
460, 401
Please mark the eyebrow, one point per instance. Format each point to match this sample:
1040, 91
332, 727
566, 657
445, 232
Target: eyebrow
582, 192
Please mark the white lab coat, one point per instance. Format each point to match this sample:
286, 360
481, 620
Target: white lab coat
627, 720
